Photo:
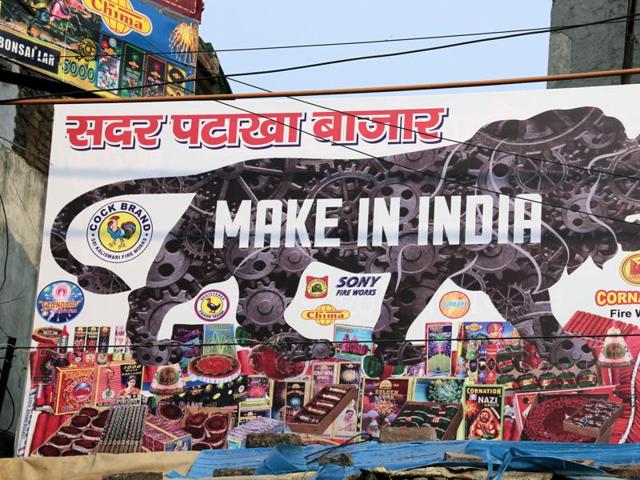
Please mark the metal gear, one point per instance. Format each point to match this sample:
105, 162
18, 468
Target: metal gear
567, 352
261, 310
249, 264
387, 319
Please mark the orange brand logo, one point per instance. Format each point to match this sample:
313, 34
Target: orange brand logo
454, 304
630, 269
325, 314
120, 17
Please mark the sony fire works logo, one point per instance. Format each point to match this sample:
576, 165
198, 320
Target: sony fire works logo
120, 17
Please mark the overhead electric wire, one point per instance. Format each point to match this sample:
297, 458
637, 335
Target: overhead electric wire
338, 44
449, 139
328, 62
253, 343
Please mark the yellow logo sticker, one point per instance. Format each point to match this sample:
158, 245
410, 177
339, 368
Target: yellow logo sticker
325, 314
630, 269
120, 17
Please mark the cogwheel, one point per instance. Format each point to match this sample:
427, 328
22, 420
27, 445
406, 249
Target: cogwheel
170, 265
164, 352
575, 219
373, 260
407, 191
387, 319
470, 280
198, 235
294, 260
249, 264
414, 297
510, 300
261, 310
626, 165
567, 352
408, 259
163, 185
497, 172
148, 308
535, 176
496, 257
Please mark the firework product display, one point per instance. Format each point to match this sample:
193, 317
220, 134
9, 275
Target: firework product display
214, 368
237, 436
200, 273
213, 395
438, 346
161, 435
80, 435
593, 419
443, 418
546, 413
381, 402
207, 426
318, 414
73, 389
124, 429
483, 412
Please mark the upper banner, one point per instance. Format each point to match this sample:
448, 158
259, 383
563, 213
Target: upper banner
465, 265
103, 44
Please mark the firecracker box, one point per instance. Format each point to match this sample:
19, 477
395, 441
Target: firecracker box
238, 436
118, 383
73, 389
160, 435
315, 417
443, 418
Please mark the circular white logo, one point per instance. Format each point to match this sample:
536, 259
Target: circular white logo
119, 231
212, 305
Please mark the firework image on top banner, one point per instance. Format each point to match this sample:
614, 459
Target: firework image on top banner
268, 254
81, 42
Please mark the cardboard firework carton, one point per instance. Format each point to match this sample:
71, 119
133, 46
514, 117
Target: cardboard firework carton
352, 343
322, 373
438, 348
483, 411
381, 402
118, 383
73, 389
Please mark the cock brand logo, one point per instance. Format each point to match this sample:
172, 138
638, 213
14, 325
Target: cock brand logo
325, 314
120, 17
630, 269
119, 231
212, 305
317, 287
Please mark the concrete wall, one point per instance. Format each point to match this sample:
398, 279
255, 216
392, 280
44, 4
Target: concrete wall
599, 47
23, 191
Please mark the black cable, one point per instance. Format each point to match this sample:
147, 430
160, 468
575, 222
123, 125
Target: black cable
334, 44
415, 341
459, 142
329, 62
434, 176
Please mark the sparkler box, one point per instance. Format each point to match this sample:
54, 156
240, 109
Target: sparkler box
73, 389
164, 436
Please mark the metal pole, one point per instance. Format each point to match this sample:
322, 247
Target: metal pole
629, 41
335, 91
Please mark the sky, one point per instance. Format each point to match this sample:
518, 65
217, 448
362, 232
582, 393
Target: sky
251, 23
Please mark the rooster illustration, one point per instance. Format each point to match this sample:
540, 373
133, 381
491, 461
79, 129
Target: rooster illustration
120, 232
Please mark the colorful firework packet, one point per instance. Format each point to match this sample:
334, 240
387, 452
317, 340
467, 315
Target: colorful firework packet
483, 409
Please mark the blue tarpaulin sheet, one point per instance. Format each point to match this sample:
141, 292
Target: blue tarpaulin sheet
532, 456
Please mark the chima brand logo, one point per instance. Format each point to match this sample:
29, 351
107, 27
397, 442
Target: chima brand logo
120, 17
630, 269
454, 304
317, 287
325, 314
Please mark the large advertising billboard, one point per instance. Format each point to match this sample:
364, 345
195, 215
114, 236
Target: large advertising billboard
467, 265
102, 44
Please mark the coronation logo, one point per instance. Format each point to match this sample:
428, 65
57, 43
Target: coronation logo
120, 17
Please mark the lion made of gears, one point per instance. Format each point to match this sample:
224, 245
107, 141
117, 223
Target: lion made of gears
579, 161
